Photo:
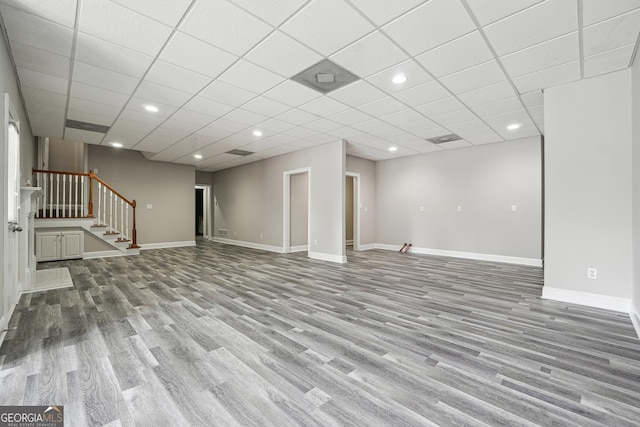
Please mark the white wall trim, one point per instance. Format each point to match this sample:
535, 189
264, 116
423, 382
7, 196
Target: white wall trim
4, 321
586, 298
251, 245
466, 255
328, 257
102, 254
164, 245
367, 247
635, 318
299, 248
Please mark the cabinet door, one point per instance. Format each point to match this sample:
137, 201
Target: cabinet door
47, 246
72, 245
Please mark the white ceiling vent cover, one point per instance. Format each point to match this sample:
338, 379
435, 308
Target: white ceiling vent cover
444, 138
325, 77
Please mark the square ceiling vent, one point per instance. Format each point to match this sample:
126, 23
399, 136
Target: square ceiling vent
444, 138
325, 77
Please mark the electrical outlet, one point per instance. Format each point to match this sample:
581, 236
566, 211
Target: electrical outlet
149, 206
514, 208
421, 208
592, 273
459, 208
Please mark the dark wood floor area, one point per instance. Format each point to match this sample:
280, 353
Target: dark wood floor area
217, 335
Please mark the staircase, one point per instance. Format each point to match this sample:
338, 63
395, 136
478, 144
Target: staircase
82, 200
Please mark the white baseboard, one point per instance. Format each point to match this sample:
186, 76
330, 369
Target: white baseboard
102, 254
251, 245
300, 248
466, 255
367, 247
4, 321
341, 259
165, 245
586, 298
635, 318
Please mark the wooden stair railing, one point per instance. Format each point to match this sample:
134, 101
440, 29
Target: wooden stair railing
63, 196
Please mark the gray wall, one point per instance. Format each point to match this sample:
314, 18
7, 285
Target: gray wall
367, 171
635, 120
588, 185
66, 156
299, 209
485, 181
168, 187
250, 199
8, 84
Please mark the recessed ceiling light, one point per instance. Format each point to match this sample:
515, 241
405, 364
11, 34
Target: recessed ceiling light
514, 126
257, 133
116, 144
399, 79
151, 108
197, 156
393, 149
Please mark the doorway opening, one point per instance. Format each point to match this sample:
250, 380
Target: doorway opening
352, 210
203, 211
296, 210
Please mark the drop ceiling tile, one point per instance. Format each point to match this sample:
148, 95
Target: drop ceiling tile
151, 120
162, 94
292, 93
45, 109
488, 11
524, 29
251, 77
536, 112
419, 126
606, 62
229, 125
246, 117
611, 34
548, 54
369, 55
321, 138
297, 117
357, 93
274, 12
85, 136
300, 132
456, 55
174, 124
344, 133
112, 22
427, 92
388, 133
207, 106
128, 132
455, 117
520, 133
500, 122
172, 76
195, 117
138, 104
37, 32
37, 80
43, 61
547, 78
503, 106
275, 125
481, 140
225, 25
226, 93
89, 117
474, 133
402, 117
414, 73
597, 10
323, 125
382, 12
168, 12
488, 94
370, 125
323, 106
96, 94
473, 78
349, 117
94, 108
215, 132
382, 106
105, 79
533, 99
210, 60
440, 107
43, 97
265, 106
430, 25
109, 56
60, 11
268, 54
334, 25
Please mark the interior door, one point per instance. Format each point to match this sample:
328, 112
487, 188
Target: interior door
12, 232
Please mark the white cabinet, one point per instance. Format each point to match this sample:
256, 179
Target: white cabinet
56, 245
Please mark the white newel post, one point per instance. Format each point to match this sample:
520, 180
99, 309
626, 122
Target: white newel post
26, 246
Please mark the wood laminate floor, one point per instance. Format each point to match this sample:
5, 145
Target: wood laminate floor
217, 335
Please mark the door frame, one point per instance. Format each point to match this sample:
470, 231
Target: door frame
286, 207
207, 223
356, 209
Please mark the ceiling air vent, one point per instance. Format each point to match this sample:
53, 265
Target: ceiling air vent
240, 152
444, 138
325, 76
91, 127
